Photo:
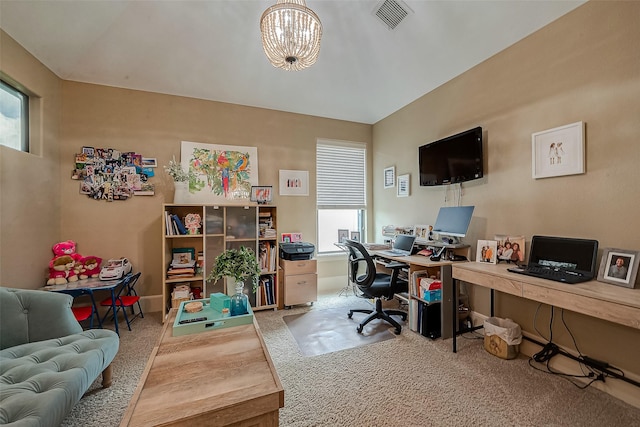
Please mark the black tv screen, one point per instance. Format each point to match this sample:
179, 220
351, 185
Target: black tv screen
454, 159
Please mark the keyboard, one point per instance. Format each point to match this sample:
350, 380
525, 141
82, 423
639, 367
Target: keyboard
565, 276
393, 252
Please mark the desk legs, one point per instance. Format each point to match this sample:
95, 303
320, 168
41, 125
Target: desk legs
454, 308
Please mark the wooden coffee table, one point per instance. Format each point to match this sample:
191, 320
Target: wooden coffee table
223, 377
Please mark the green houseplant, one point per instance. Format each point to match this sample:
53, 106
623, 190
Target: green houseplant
237, 265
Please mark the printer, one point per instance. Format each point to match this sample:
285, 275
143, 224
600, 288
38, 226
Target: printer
296, 251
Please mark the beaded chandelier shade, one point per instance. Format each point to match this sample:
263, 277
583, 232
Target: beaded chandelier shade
291, 35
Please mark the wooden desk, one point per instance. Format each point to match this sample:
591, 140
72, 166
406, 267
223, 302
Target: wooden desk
223, 377
603, 301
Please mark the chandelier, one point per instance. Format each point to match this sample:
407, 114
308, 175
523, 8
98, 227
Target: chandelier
291, 35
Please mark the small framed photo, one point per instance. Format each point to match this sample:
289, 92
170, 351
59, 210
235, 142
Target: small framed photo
389, 177
619, 267
294, 183
149, 162
262, 194
296, 237
423, 232
487, 251
342, 235
355, 235
88, 151
285, 238
558, 151
510, 248
403, 186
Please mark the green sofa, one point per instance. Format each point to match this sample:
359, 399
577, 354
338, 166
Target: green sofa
47, 362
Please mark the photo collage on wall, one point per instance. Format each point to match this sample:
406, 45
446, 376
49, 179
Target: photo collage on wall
109, 174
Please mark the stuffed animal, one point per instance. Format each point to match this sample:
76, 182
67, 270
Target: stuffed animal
89, 266
66, 248
61, 270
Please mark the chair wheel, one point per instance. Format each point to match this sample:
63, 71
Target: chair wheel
398, 331
350, 315
359, 329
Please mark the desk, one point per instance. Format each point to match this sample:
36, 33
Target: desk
603, 301
419, 263
91, 285
219, 377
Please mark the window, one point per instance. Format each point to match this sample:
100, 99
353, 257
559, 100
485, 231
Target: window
341, 191
14, 117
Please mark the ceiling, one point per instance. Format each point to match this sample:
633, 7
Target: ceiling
211, 49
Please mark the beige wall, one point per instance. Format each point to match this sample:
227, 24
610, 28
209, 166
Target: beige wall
583, 67
154, 125
30, 182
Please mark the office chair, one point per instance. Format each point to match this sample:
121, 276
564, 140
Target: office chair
375, 285
126, 297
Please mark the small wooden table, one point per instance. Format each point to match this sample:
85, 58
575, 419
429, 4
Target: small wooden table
223, 377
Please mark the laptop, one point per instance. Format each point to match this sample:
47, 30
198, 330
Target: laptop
561, 259
402, 246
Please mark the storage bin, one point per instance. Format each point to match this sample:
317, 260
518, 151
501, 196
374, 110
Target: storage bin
502, 337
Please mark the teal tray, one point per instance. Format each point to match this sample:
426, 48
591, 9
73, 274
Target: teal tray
214, 319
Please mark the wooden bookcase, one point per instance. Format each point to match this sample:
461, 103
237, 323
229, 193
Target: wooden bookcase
223, 227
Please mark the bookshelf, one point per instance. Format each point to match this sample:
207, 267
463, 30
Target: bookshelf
221, 227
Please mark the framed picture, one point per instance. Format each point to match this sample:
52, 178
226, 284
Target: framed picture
342, 235
619, 267
222, 173
423, 232
403, 186
487, 251
389, 177
294, 183
510, 248
296, 237
355, 235
558, 151
262, 193
149, 162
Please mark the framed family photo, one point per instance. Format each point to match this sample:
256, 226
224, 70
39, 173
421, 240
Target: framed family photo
558, 151
487, 251
355, 235
343, 235
619, 267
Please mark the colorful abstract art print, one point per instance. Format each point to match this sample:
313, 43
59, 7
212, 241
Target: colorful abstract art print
220, 173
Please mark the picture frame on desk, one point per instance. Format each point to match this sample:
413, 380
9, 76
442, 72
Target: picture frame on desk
343, 235
487, 251
619, 267
355, 235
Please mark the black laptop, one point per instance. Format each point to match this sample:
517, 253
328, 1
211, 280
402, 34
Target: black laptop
561, 259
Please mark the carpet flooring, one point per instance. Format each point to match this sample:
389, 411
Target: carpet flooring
324, 331
407, 381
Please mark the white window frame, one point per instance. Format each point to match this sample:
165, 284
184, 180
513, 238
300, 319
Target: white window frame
9, 89
341, 183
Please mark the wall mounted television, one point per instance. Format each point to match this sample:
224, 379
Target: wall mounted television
457, 158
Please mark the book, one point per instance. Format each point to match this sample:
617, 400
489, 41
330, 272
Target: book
179, 224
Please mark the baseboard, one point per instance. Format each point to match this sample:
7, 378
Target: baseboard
151, 304
619, 389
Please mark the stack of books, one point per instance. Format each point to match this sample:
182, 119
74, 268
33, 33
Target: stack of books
183, 263
266, 225
267, 257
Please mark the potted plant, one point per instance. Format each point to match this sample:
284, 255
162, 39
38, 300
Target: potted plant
181, 179
237, 266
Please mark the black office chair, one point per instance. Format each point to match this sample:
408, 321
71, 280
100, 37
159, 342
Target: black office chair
375, 285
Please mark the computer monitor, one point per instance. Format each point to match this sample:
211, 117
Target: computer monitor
453, 221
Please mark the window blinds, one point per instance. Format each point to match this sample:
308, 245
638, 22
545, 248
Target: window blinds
341, 175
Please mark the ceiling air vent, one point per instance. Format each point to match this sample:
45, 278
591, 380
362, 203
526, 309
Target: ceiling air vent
391, 12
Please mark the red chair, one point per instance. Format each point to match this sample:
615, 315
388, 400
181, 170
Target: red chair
82, 313
126, 297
